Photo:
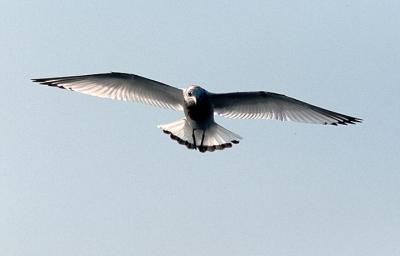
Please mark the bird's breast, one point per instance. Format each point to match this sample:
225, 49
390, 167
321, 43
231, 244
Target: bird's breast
200, 112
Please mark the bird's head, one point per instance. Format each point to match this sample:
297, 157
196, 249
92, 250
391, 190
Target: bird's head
193, 94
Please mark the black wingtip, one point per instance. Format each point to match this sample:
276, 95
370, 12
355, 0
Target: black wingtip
48, 82
347, 120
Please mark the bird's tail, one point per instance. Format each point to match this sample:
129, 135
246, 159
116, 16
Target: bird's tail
215, 137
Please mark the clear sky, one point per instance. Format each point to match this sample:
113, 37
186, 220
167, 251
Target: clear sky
81, 175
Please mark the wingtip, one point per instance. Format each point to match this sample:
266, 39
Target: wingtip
347, 121
47, 81
39, 80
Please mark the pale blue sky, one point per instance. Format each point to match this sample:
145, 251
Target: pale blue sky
81, 175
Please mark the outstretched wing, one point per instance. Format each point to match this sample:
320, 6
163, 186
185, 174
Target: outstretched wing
268, 105
121, 86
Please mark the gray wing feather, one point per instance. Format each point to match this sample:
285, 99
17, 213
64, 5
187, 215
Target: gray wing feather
267, 105
121, 86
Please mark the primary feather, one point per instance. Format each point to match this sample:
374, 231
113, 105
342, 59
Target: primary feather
121, 86
268, 105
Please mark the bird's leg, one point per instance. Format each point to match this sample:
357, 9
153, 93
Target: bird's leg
194, 139
201, 147
202, 138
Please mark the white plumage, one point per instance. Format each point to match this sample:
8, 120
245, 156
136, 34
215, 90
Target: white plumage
198, 129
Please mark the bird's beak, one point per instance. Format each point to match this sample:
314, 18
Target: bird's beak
192, 100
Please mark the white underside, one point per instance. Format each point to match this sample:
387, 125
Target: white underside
214, 135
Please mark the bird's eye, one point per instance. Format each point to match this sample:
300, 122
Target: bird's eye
190, 94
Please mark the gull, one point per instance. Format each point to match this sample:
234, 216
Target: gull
198, 130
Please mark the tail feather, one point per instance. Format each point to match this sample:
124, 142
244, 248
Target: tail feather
216, 137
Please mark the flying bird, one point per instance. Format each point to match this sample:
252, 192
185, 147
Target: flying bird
198, 130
